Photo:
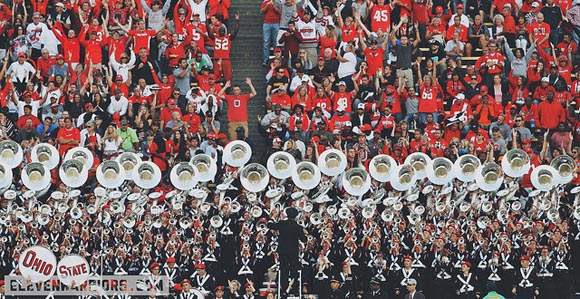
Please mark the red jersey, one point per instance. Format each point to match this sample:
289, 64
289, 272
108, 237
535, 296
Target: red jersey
193, 120
380, 17
199, 38
428, 99
73, 133
374, 59
349, 34
563, 47
323, 103
237, 107
93, 51
222, 47
142, 38
342, 100
496, 58
539, 31
462, 33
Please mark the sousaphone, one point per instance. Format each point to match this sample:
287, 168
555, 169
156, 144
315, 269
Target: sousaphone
419, 161
129, 161
489, 177
565, 167
82, 154
515, 163
36, 176
146, 175
206, 167
403, 178
73, 173
356, 181
237, 153
254, 177
11, 153
465, 168
306, 175
544, 178
183, 176
440, 171
5, 176
281, 165
382, 167
110, 174
46, 154
332, 162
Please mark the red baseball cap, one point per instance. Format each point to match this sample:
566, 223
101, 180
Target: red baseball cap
460, 5
468, 264
171, 102
59, 56
200, 266
439, 9
212, 135
22, 54
118, 77
483, 88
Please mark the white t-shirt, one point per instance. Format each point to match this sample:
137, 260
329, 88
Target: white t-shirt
347, 68
119, 106
20, 72
50, 42
199, 9
37, 37
35, 105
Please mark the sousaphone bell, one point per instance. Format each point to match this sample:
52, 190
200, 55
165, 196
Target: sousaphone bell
5, 176
515, 163
306, 175
403, 178
419, 161
465, 168
332, 162
544, 178
489, 177
11, 153
237, 153
254, 177
440, 171
206, 167
356, 181
73, 173
146, 175
46, 154
129, 161
281, 165
82, 154
36, 176
565, 167
382, 167
183, 176
110, 174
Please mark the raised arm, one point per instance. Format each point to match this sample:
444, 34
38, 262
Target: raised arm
253, 92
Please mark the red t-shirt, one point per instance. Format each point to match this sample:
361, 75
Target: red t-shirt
380, 15
271, 16
539, 31
193, 120
142, 38
73, 133
237, 107
374, 59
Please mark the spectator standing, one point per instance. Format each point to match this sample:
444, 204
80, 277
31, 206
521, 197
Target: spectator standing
237, 106
270, 28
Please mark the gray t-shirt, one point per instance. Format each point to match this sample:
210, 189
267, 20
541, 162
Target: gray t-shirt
404, 56
182, 83
412, 105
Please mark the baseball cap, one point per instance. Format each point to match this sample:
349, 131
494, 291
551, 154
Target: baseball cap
545, 79
22, 54
277, 139
483, 88
361, 106
118, 77
535, 4
60, 4
56, 105
348, 124
460, 5
460, 96
155, 87
340, 108
277, 49
87, 105
412, 281
336, 132
124, 122
341, 83
212, 135
59, 56
439, 9
171, 102
320, 58
240, 129
526, 141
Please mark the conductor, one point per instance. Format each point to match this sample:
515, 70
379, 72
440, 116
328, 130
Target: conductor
290, 233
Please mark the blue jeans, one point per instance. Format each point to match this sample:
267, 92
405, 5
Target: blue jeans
423, 117
270, 32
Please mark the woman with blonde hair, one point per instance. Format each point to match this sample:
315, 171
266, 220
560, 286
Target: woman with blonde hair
111, 143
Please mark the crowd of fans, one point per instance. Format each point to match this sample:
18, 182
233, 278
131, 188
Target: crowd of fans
445, 78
